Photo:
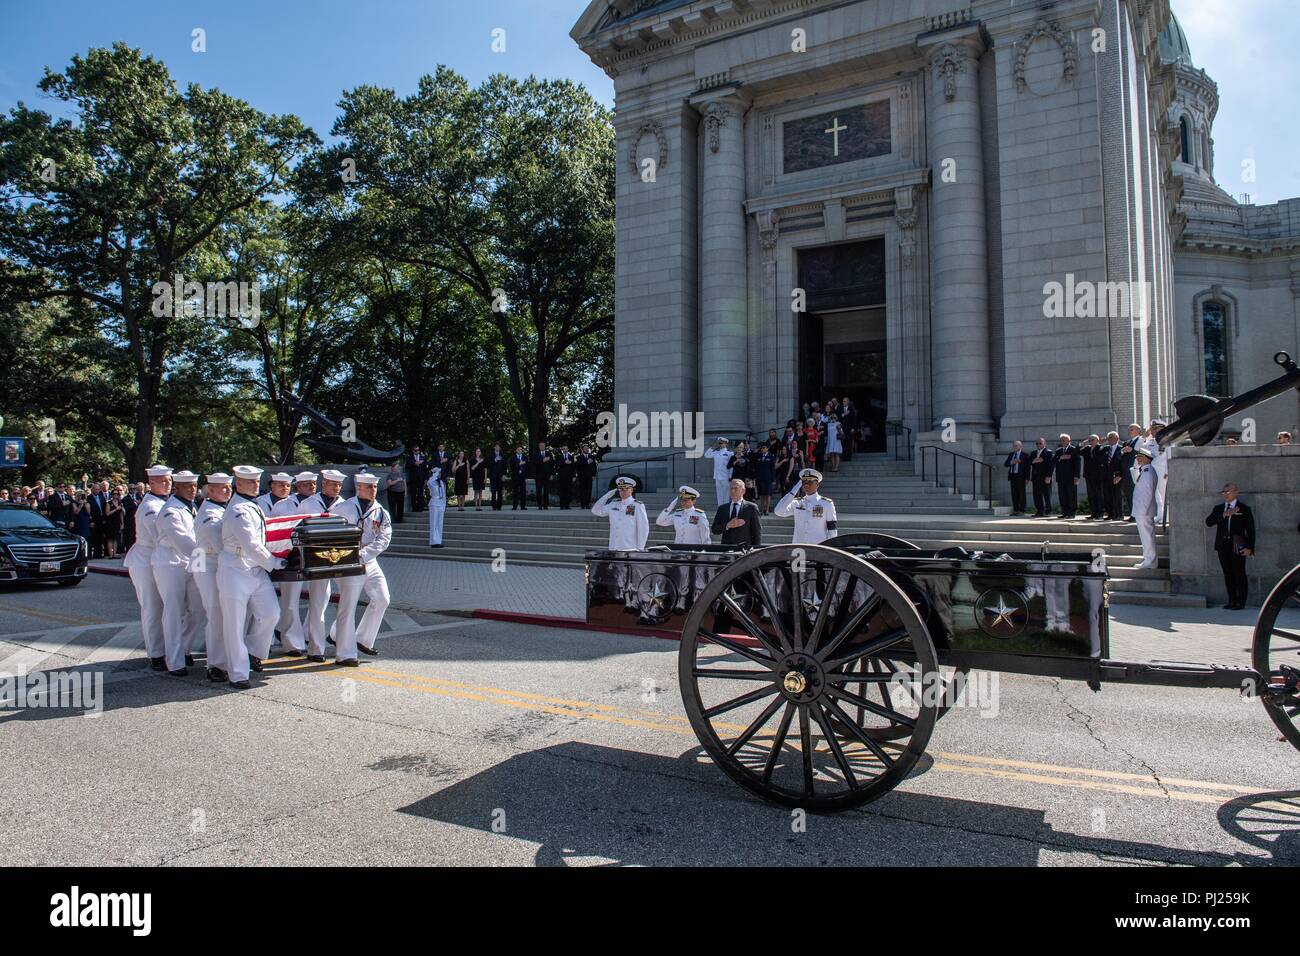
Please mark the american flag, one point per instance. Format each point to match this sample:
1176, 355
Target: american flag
279, 529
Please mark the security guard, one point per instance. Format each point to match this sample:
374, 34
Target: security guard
690, 525
242, 581
293, 637
318, 592
628, 525
176, 548
437, 486
207, 531
139, 564
814, 513
280, 483
376, 535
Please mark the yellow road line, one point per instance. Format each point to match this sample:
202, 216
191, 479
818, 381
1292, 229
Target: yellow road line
69, 619
1109, 774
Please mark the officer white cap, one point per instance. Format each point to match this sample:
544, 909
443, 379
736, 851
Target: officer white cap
184, 478
219, 478
1145, 451
365, 478
332, 475
812, 473
305, 476
725, 441
282, 476
248, 472
624, 481
158, 471
688, 490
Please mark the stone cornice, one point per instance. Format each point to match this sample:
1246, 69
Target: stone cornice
875, 187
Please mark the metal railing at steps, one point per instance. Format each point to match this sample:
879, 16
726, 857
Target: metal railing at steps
901, 443
935, 468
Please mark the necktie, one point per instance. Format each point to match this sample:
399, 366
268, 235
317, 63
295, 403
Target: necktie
735, 509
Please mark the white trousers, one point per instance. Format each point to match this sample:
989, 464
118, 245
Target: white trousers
151, 610
214, 639
723, 487
318, 599
437, 510
181, 605
244, 593
1146, 525
290, 623
347, 633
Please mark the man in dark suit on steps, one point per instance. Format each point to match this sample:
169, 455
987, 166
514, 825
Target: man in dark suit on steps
737, 522
1234, 541
1017, 465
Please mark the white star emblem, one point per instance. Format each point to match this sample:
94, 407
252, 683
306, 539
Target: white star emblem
1001, 613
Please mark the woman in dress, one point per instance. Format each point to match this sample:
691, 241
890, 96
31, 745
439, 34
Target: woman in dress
113, 514
478, 477
460, 478
80, 523
834, 442
765, 474
808, 445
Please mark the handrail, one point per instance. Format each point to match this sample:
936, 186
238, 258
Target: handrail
977, 468
895, 429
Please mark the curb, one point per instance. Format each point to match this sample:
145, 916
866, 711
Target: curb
571, 624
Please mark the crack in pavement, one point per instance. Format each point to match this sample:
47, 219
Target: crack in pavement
1084, 720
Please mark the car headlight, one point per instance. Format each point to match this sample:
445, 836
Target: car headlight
5, 560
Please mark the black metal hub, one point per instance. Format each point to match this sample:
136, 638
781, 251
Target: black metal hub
801, 678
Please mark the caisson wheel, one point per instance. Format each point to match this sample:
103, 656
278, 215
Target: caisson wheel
870, 539
775, 654
1276, 655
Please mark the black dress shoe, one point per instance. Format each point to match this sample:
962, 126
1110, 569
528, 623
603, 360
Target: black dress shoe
216, 675
189, 660
328, 639
352, 663
293, 652
179, 672
158, 663
368, 650
240, 684
316, 658
255, 663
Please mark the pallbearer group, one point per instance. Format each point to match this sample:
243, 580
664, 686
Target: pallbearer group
202, 562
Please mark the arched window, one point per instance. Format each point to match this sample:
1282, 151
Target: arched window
1185, 141
1214, 348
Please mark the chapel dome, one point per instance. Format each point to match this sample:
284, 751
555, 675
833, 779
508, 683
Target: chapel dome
1173, 43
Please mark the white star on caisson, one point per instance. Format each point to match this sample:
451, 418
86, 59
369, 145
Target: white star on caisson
1001, 613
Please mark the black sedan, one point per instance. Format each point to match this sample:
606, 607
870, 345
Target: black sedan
33, 548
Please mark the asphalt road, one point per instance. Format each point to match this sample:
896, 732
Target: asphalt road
487, 743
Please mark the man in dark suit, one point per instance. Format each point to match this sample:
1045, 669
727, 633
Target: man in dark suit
1067, 470
543, 464
1094, 475
564, 475
58, 505
97, 500
1040, 472
130, 504
1113, 477
1234, 540
584, 467
497, 476
1127, 461
737, 521
519, 479
1017, 465
415, 477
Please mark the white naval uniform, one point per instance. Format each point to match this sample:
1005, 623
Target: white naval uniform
290, 626
628, 525
437, 505
267, 503
207, 531
175, 550
318, 592
244, 587
814, 516
376, 535
690, 525
721, 473
1145, 481
139, 563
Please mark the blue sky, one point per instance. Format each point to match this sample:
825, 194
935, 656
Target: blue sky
296, 56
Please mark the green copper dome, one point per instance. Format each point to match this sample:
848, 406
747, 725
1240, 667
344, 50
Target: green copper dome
1173, 43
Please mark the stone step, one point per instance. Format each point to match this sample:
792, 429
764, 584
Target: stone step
1156, 599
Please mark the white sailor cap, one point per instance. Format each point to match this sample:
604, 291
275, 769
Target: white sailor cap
688, 490
812, 473
158, 471
305, 476
365, 478
248, 472
725, 441
331, 475
1143, 450
219, 478
282, 476
624, 480
184, 478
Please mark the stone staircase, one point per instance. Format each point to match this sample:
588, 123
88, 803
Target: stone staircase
558, 538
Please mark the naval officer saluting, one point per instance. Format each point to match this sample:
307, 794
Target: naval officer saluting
176, 548
207, 531
376, 534
437, 486
690, 525
242, 581
1145, 478
814, 513
139, 564
628, 525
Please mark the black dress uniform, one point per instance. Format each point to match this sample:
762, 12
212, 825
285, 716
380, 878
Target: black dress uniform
584, 467
1114, 479
1095, 473
564, 475
543, 464
497, 476
1068, 466
1017, 465
519, 481
1041, 465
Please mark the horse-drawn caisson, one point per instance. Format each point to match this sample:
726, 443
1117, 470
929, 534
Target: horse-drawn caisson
813, 675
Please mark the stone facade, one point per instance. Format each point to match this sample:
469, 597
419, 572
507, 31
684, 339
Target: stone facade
1025, 144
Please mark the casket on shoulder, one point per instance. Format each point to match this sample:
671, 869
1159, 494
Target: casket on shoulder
320, 547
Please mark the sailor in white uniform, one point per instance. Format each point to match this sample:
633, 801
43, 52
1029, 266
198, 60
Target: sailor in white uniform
176, 548
628, 525
293, 637
242, 580
1145, 481
318, 592
690, 525
814, 513
139, 564
1160, 462
280, 483
721, 455
207, 531
437, 486
376, 535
